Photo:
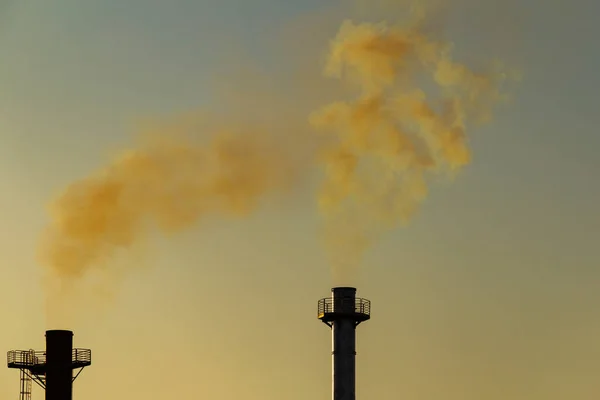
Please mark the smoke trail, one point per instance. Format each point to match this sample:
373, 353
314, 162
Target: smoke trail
407, 124
169, 183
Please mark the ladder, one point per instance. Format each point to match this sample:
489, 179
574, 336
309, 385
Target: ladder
26, 377
25, 385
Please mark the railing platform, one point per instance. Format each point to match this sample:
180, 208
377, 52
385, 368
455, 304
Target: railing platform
35, 361
330, 309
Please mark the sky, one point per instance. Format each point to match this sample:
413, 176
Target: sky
490, 292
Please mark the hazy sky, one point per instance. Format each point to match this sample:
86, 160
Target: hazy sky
490, 293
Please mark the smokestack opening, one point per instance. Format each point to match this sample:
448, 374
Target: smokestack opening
344, 290
59, 332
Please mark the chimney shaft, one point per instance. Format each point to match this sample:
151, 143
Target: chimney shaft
342, 313
59, 370
343, 335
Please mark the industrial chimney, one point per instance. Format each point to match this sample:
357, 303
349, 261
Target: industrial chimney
342, 313
59, 373
51, 369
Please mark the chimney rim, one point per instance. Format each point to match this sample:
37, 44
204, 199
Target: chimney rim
62, 331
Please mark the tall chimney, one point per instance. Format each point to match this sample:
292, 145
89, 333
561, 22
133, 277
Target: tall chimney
59, 369
342, 313
53, 368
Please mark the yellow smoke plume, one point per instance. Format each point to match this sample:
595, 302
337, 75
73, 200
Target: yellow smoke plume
169, 183
407, 122
378, 151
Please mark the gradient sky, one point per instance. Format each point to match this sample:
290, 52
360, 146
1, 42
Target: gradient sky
491, 293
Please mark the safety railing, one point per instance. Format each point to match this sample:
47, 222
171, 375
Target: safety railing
29, 358
25, 358
344, 305
82, 356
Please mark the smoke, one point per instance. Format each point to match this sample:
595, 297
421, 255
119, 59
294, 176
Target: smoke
406, 125
378, 151
169, 183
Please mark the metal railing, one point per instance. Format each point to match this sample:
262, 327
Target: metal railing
31, 358
26, 357
82, 356
329, 305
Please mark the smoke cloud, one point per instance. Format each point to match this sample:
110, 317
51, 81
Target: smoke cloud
378, 152
406, 124
173, 180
